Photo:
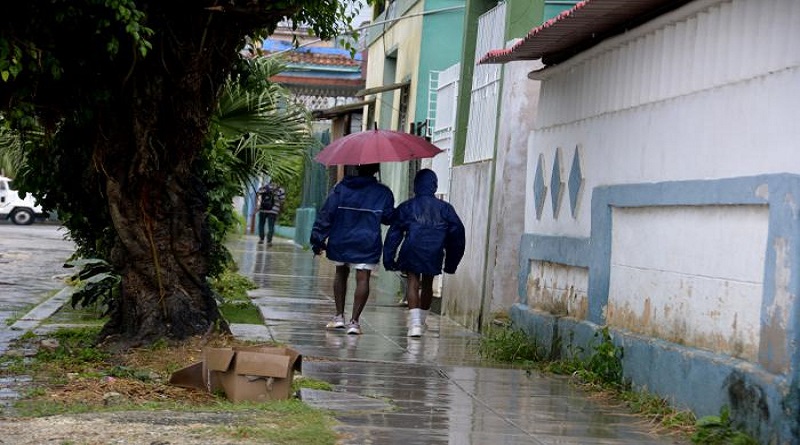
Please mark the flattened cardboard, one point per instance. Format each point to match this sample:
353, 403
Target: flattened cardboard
255, 373
189, 377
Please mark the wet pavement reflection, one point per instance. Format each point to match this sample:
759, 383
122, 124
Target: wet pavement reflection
30, 270
391, 389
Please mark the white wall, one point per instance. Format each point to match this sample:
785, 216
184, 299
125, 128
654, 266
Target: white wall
706, 92
710, 95
690, 275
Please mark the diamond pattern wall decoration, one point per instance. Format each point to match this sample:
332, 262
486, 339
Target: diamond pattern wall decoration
556, 184
575, 184
539, 187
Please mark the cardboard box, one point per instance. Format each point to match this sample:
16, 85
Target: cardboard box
256, 373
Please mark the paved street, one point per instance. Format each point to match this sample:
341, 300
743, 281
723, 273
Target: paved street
31, 268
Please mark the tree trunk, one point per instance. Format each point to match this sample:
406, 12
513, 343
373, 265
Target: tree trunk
162, 251
157, 204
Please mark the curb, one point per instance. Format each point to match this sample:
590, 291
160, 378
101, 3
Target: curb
34, 318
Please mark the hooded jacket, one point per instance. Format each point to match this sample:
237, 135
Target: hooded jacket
348, 227
429, 229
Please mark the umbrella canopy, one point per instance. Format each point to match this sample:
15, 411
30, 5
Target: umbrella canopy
376, 146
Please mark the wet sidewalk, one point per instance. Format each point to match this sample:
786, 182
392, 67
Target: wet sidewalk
390, 389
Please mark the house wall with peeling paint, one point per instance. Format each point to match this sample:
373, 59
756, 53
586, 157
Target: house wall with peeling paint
692, 275
663, 202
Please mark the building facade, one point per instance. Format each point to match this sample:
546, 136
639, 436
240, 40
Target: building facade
662, 189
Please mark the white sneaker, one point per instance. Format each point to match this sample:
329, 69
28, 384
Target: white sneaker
336, 323
354, 328
415, 330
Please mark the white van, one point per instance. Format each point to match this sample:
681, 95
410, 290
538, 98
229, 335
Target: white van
13, 207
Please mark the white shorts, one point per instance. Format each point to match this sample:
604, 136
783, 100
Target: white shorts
358, 266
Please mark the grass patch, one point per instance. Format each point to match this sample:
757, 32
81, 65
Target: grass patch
505, 345
290, 422
307, 382
234, 303
241, 312
232, 286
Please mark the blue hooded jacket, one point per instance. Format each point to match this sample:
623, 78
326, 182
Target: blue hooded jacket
429, 229
348, 227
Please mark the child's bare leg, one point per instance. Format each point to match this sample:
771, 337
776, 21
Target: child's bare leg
340, 287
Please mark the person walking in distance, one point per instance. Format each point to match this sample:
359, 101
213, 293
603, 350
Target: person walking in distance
432, 235
270, 198
348, 229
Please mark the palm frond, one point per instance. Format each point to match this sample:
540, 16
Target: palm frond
12, 152
263, 127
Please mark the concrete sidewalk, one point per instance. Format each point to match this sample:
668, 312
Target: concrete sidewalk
390, 389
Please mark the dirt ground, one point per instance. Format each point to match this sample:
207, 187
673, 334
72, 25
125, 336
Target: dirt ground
200, 424
129, 427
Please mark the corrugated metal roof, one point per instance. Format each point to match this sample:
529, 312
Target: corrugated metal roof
588, 23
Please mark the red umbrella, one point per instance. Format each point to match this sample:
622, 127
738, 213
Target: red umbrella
375, 146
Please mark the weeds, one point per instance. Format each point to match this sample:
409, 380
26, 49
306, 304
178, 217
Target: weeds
657, 410
235, 304
604, 365
307, 382
509, 345
719, 430
232, 286
73, 352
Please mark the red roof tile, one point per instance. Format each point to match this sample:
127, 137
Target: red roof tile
307, 58
588, 23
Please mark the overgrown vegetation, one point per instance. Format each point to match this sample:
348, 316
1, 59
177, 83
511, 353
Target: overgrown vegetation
234, 303
720, 430
514, 346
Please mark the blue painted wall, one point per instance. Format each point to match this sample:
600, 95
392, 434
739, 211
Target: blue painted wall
762, 396
441, 47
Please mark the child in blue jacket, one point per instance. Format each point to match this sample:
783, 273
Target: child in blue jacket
348, 229
432, 236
